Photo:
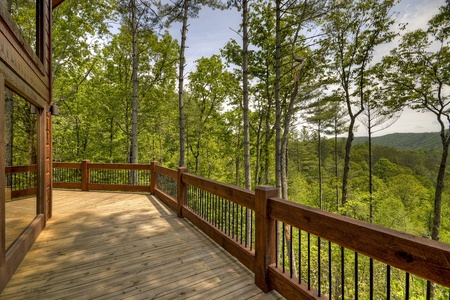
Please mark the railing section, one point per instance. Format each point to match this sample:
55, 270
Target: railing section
301, 252
20, 181
101, 176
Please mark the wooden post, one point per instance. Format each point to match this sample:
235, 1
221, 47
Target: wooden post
265, 235
154, 177
85, 175
181, 191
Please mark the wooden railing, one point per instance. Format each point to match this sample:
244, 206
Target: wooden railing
94, 176
21, 181
301, 252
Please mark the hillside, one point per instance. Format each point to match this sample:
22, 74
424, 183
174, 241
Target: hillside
426, 140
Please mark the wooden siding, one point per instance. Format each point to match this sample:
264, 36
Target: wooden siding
18, 56
126, 246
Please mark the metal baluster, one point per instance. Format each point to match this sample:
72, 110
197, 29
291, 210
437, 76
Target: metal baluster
342, 273
299, 256
388, 282
282, 247
246, 228
330, 295
242, 224
371, 277
251, 230
407, 285
318, 267
309, 261
291, 258
356, 275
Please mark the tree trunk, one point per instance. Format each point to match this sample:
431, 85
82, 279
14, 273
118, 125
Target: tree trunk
277, 95
180, 82
319, 151
336, 166
248, 179
436, 230
248, 182
134, 98
369, 127
9, 126
238, 159
348, 149
437, 218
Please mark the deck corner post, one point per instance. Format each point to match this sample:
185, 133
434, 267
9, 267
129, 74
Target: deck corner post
153, 177
181, 191
85, 175
265, 236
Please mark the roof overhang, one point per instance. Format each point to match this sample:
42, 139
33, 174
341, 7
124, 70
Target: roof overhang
55, 3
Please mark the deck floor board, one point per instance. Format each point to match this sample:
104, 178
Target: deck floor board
126, 246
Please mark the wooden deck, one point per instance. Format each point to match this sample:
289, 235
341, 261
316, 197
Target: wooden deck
126, 246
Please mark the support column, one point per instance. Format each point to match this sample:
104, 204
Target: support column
85, 175
181, 191
265, 236
154, 177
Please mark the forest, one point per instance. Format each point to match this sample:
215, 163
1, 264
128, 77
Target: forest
278, 106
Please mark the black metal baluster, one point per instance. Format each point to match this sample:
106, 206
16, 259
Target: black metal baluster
246, 228
291, 258
319, 267
283, 248
299, 256
388, 282
356, 276
309, 261
229, 217
242, 224
407, 285
342, 273
371, 278
276, 244
330, 277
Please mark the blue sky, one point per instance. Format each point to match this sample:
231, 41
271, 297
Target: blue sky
214, 28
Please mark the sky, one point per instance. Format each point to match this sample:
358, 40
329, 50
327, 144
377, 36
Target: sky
214, 28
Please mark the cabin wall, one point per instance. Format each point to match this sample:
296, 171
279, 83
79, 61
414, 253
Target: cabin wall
29, 75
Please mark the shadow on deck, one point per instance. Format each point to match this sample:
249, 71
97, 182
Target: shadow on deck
126, 246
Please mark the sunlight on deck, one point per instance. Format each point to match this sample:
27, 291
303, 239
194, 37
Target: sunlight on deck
126, 246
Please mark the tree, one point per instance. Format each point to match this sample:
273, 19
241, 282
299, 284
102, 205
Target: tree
354, 29
375, 115
181, 11
417, 72
209, 87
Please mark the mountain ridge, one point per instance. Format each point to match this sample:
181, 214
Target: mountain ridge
405, 141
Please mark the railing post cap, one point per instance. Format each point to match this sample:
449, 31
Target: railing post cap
266, 188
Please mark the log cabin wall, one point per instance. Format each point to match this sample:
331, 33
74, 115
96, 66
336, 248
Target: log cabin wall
27, 73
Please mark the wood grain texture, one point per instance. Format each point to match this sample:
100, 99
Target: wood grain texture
126, 246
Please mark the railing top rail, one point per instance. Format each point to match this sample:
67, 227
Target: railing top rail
19, 169
165, 171
416, 255
235, 194
66, 165
112, 166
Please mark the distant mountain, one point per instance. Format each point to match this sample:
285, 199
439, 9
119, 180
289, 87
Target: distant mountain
426, 140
